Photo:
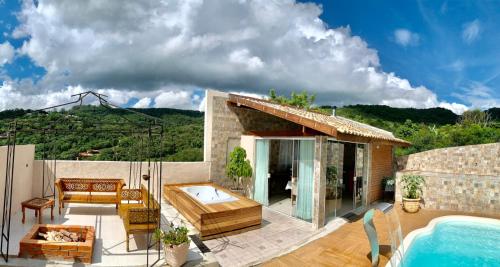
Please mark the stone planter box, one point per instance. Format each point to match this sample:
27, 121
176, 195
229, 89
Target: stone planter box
33, 246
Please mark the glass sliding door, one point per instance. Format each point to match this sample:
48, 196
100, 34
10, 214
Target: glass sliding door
334, 181
261, 190
305, 180
346, 178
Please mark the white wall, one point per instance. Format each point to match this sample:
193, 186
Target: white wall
173, 172
28, 173
23, 172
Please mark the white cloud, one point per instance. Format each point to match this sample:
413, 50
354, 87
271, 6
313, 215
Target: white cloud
455, 107
471, 31
405, 37
143, 103
180, 100
12, 97
163, 50
6, 53
243, 57
478, 95
457, 65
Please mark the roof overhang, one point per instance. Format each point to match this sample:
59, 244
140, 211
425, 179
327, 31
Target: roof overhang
318, 126
243, 101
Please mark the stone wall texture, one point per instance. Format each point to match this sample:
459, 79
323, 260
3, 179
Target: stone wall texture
228, 124
475, 159
463, 178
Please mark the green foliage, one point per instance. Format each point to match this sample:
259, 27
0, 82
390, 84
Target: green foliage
438, 116
85, 128
388, 181
495, 113
412, 186
475, 116
331, 174
425, 128
238, 167
300, 100
173, 237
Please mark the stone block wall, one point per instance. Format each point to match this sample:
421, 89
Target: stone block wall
460, 192
463, 178
476, 159
228, 122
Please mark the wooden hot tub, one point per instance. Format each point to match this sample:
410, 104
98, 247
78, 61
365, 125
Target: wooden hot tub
214, 210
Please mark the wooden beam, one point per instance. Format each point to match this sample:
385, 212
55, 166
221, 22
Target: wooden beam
318, 126
324, 128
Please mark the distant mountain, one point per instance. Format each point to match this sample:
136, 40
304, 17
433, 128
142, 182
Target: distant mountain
495, 113
183, 138
438, 116
98, 133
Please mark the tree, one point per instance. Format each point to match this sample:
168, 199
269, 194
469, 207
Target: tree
301, 100
238, 168
475, 116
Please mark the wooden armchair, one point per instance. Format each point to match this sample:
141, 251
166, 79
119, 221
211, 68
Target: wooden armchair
138, 217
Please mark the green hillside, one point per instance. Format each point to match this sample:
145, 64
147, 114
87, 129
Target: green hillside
427, 128
183, 140
94, 129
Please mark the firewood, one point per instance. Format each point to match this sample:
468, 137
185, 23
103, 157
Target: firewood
65, 233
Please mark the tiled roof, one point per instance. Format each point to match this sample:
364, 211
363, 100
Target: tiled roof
321, 122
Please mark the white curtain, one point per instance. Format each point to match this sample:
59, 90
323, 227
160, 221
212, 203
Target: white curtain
261, 172
303, 209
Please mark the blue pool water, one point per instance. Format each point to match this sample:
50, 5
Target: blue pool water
456, 243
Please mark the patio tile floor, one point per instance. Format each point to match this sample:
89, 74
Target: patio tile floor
279, 234
109, 247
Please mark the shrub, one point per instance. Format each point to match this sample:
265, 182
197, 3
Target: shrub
412, 186
173, 237
238, 167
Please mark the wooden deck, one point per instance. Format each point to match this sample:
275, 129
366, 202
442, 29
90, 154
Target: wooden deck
348, 246
214, 220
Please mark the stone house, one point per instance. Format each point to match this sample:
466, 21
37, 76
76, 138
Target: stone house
305, 164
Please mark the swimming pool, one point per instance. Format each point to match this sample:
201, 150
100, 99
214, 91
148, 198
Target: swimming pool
454, 241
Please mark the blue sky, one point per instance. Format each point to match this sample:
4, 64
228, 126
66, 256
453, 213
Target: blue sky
398, 53
454, 48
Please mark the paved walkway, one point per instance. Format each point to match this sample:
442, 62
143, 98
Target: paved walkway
279, 233
348, 246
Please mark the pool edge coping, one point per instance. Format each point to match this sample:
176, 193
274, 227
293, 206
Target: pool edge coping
429, 228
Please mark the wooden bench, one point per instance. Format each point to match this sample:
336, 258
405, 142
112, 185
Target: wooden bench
138, 217
79, 190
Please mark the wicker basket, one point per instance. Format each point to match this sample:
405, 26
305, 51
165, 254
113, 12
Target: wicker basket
411, 205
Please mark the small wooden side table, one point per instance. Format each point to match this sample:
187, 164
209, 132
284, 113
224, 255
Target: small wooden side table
38, 204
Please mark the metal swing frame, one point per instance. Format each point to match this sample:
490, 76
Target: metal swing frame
154, 128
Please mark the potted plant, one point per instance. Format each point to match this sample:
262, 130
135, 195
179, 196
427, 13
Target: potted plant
175, 244
388, 183
238, 169
411, 189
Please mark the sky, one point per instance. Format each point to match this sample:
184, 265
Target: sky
419, 54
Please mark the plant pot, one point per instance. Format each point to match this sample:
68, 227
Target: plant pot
411, 205
239, 191
176, 256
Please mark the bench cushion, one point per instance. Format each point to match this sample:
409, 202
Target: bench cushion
87, 198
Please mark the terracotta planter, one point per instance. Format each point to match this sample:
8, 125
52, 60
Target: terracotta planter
411, 205
176, 256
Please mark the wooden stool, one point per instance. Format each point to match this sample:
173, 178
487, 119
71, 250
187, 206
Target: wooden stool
38, 204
